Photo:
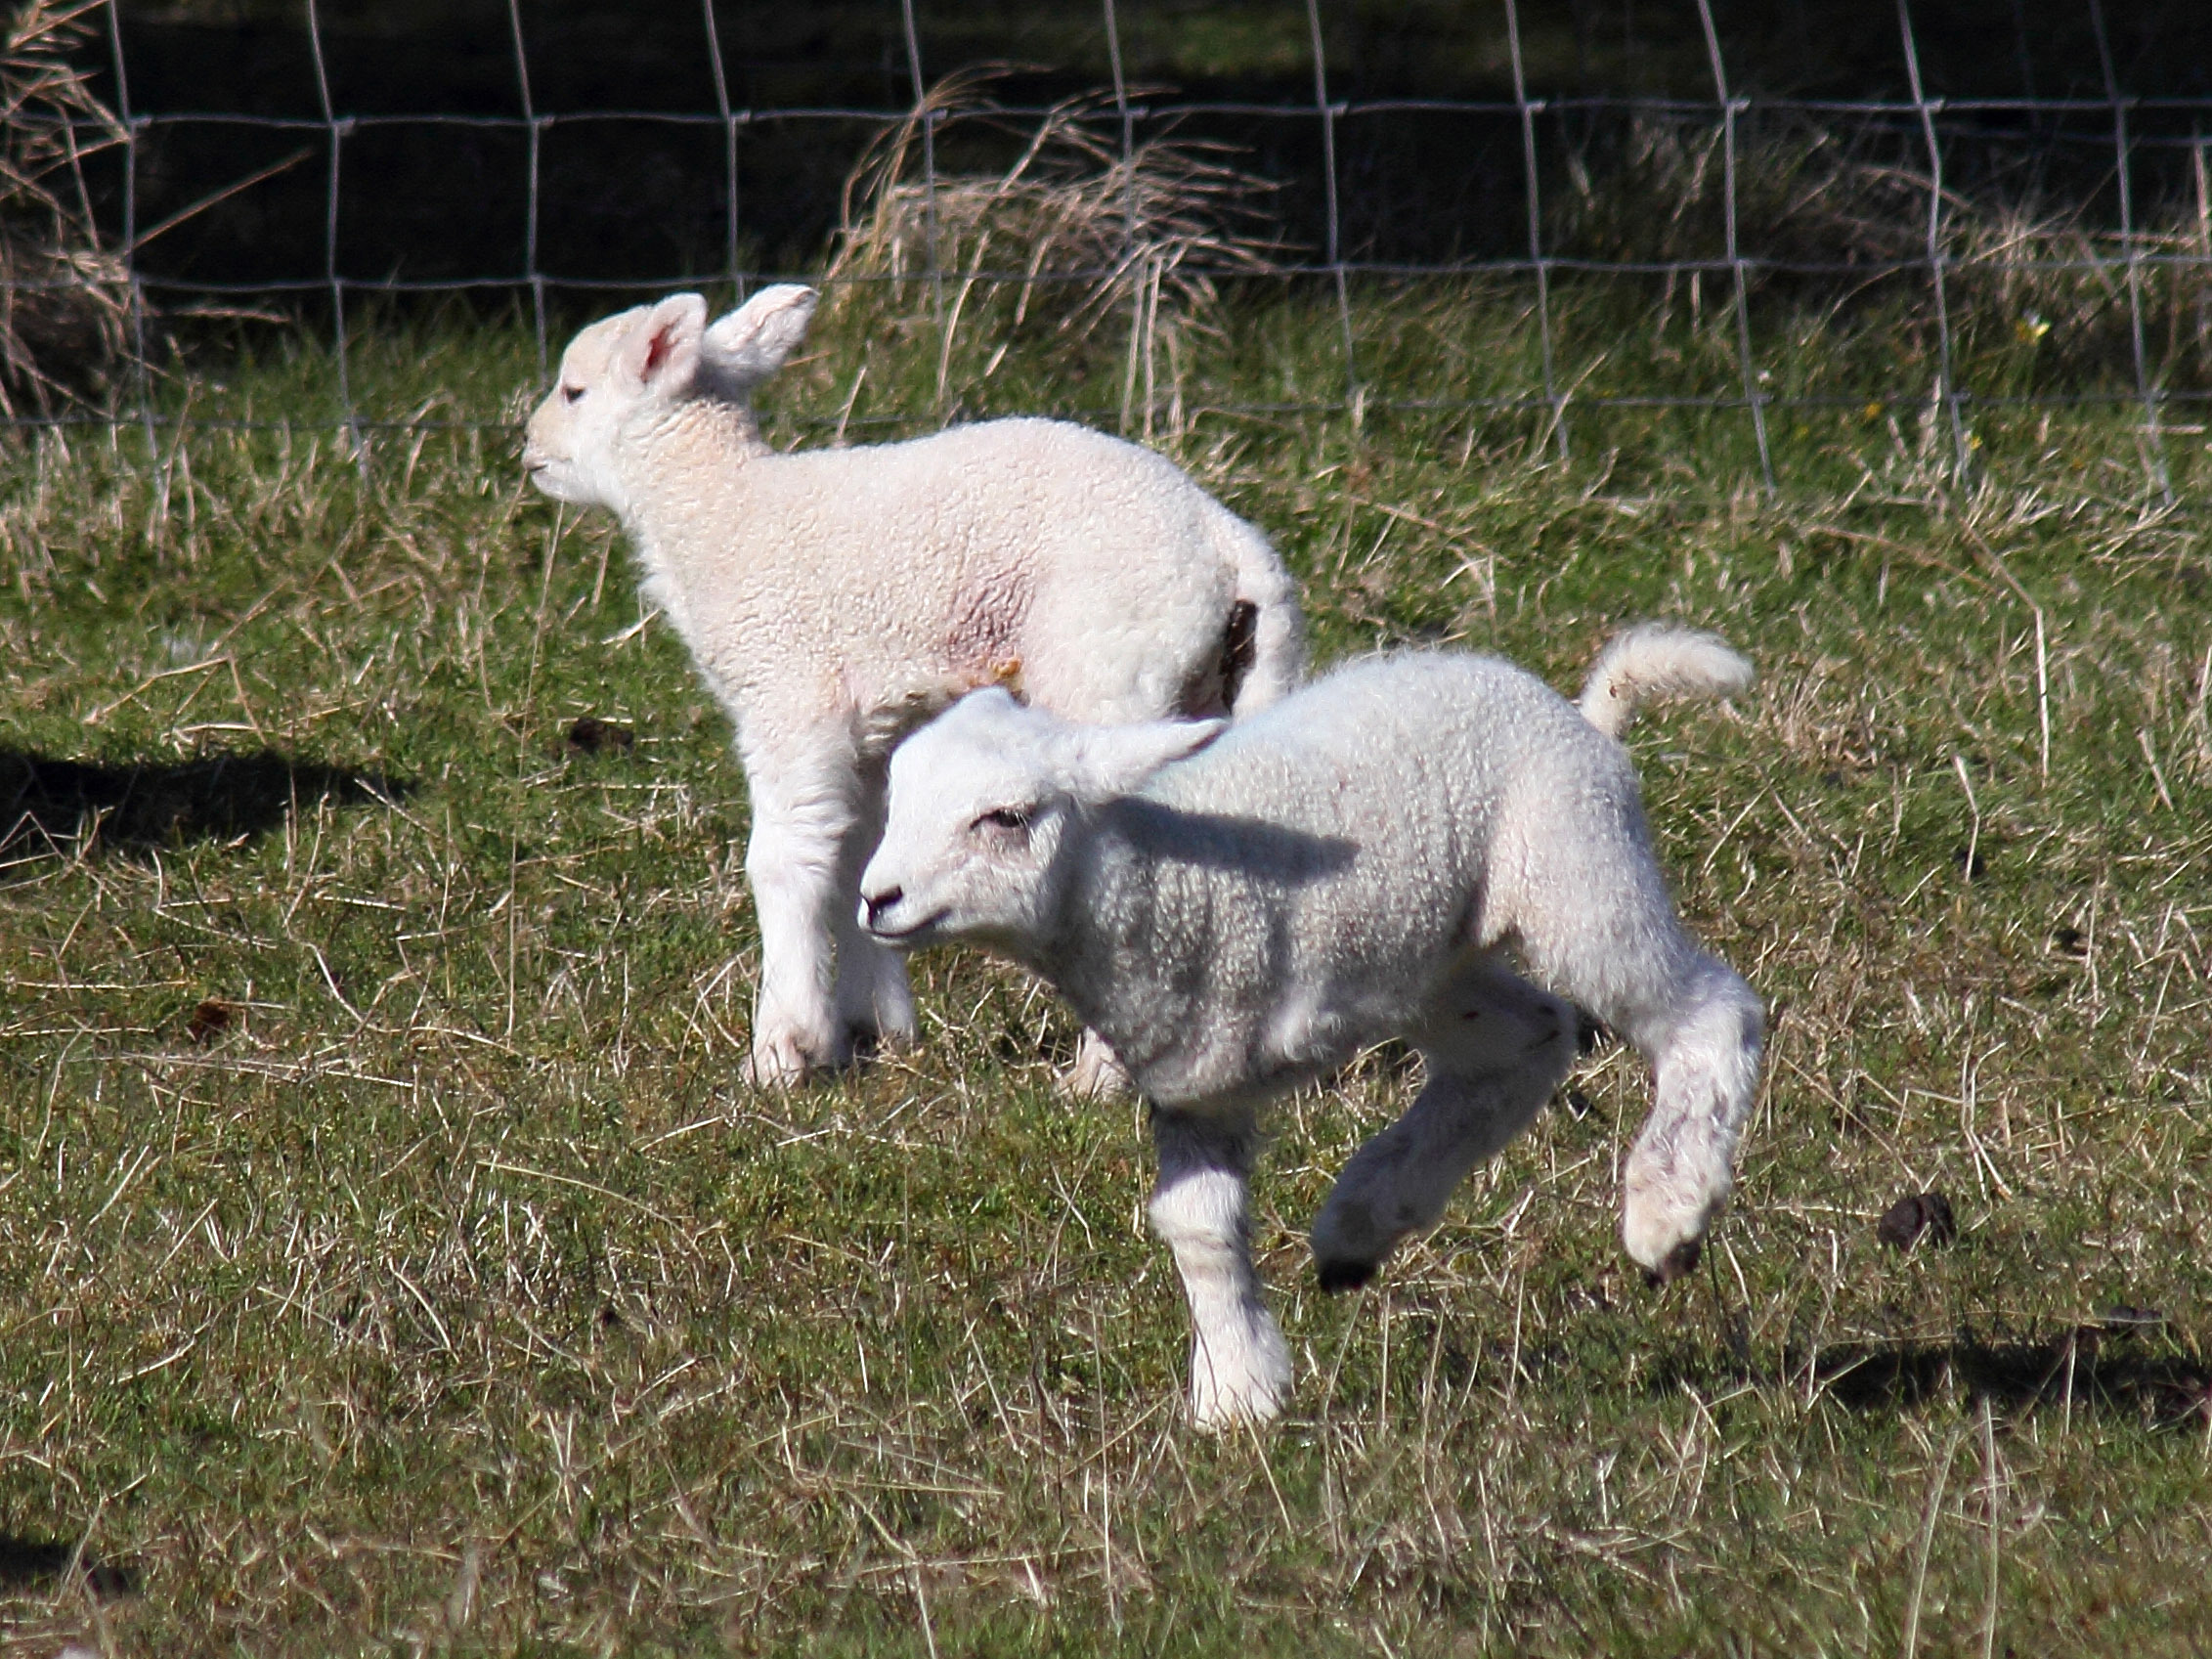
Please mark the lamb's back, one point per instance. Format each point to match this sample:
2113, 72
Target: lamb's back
1292, 892
1024, 547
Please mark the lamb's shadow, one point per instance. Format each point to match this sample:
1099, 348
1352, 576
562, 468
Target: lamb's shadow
2090, 1368
32, 1563
50, 805
1250, 846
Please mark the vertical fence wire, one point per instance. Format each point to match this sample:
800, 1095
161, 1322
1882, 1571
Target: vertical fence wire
928, 117
1336, 262
1128, 206
2153, 441
141, 391
1536, 225
336, 131
531, 273
729, 145
1945, 384
1730, 108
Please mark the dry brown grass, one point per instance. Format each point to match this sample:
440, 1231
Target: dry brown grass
1070, 237
65, 297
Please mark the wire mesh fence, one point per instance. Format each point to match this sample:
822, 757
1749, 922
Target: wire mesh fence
1650, 159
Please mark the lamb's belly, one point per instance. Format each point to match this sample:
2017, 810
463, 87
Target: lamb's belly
1304, 1030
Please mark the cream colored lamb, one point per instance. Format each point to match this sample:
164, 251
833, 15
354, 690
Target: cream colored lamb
1241, 911
836, 598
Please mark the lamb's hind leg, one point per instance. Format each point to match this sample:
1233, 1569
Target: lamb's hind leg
1496, 1048
1702, 1042
1617, 948
1240, 1365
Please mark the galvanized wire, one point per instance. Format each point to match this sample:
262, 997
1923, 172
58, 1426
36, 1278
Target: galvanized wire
730, 122
1730, 108
926, 114
336, 131
1527, 113
142, 394
1334, 264
1128, 121
1946, 383
2154, 442
2133, 130
530, 272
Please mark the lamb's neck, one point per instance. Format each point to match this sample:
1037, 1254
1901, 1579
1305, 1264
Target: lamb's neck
1088, 954
692, 461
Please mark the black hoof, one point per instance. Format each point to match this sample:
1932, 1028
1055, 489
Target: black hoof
1340, 1276
1682, 1259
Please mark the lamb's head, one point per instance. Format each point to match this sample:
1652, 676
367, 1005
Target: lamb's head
621, 370
987, 806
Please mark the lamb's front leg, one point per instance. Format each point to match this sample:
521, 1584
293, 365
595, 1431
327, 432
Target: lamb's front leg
873, 998
1240, 1365
804, 809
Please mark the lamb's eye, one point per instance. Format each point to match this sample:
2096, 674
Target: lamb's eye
571, 394
1007, 818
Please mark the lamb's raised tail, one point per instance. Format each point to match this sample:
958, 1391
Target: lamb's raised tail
1657, 659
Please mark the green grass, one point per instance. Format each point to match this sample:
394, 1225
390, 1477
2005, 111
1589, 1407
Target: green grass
456, 1296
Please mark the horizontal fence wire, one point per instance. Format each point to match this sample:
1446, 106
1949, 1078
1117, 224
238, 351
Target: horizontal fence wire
2118, 131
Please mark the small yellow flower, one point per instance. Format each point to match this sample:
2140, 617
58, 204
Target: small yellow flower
2030, 329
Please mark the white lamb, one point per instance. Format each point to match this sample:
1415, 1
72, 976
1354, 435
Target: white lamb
836, 598
1244, 912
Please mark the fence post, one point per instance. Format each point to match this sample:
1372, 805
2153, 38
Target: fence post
1752, 397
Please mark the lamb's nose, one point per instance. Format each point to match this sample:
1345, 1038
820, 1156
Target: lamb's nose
879, 902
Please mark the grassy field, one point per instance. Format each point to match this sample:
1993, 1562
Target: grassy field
395, 1263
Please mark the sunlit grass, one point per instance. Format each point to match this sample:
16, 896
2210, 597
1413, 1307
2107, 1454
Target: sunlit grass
448, 1290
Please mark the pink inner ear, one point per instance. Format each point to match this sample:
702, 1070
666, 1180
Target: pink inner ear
657, 350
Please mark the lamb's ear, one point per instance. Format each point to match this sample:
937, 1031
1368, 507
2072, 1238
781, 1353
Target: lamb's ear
1113, 760
751, 343
662, 348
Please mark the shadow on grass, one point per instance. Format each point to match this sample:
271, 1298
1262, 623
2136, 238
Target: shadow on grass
58, 806
30, 1563
2085, 1369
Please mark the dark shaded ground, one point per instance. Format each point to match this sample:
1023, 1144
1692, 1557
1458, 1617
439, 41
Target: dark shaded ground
55, 805
28, 1563
2093, 1368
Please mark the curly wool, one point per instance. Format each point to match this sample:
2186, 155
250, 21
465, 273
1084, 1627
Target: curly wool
1239, 911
